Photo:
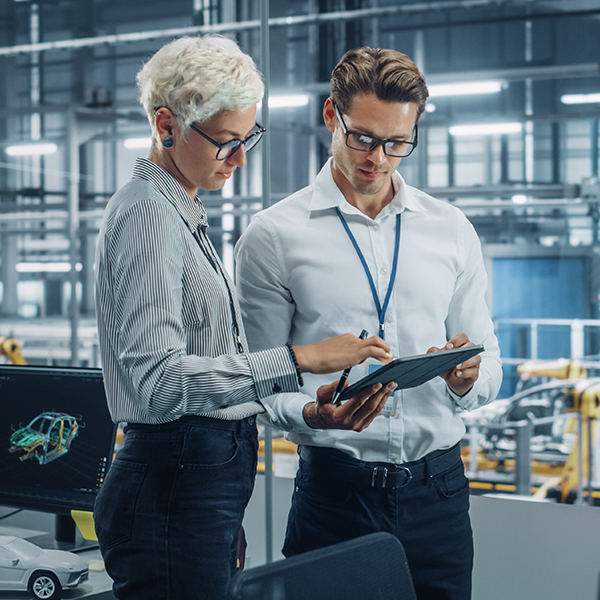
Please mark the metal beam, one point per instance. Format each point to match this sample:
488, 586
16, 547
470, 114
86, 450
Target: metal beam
548, 190
516, 74
265, 64
328, 17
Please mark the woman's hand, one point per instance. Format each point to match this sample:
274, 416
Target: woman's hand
341, 352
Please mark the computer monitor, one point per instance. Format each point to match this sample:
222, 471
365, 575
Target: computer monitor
56, 437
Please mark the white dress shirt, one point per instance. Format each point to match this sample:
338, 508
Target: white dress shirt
300, 279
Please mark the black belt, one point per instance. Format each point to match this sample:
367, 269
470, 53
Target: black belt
233, 425
339, 465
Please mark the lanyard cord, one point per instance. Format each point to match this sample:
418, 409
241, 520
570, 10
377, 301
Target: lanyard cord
381, 310
215, 265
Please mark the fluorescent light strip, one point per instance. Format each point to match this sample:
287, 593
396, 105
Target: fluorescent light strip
580, 98
291, 101
45, 267
31, 149
486, 129
132, 143
288, 101
465, 89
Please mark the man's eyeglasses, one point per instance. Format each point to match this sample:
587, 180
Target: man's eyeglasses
232, 146
367, 143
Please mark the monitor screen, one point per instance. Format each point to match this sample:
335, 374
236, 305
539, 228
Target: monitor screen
56, 437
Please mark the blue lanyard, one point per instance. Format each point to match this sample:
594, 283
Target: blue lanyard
381, 310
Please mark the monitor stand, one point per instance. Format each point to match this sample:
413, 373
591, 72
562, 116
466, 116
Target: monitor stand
66, 537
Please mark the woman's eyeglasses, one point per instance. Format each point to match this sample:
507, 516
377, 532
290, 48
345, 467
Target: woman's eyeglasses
227, 149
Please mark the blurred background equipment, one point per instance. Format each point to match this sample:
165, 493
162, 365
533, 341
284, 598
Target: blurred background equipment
12, 351
540, 441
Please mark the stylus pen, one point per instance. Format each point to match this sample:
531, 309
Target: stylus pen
340, 386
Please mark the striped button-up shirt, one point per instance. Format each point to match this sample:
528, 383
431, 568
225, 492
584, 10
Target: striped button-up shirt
165, 322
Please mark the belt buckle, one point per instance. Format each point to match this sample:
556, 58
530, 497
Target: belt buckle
409, 477
385, 470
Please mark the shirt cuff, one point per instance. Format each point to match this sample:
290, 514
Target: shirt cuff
273, 372
470, 400
286, 411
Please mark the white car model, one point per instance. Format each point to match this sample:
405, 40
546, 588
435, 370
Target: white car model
45, 573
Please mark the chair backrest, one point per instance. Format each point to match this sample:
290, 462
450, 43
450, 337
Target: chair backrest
371, 567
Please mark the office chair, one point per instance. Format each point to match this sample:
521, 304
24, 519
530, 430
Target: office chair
372, 567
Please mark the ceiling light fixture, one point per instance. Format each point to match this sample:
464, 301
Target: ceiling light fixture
580, 98
486, 129
46, 267
470, 88
31, 149
132, 143
287, 101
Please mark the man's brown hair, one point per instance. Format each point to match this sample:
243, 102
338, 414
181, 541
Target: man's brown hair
388, 74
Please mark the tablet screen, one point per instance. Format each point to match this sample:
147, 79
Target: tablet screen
413, 370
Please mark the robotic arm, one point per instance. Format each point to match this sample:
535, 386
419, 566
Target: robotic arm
12, 351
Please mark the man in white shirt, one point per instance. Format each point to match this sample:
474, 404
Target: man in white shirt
361, 249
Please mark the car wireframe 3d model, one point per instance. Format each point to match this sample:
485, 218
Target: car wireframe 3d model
44, 573
47, 437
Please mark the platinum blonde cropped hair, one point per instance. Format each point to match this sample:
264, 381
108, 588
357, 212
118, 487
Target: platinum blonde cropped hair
196, 77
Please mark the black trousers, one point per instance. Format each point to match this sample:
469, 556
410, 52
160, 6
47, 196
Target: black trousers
337, 498
170, 510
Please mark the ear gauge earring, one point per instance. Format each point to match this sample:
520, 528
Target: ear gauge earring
167, 142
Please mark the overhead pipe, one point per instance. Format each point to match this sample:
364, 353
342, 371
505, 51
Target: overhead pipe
319, 18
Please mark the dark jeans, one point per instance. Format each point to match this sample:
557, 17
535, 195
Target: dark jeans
169, 512
428, 515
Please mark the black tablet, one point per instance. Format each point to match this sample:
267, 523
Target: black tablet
413, 370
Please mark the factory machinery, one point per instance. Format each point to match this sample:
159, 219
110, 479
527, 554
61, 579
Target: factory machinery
10, 349
542, 440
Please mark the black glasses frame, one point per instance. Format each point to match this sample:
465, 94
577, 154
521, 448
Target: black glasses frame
376, 141
228, 149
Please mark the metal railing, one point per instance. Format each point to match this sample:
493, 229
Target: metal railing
522, 432
577, 335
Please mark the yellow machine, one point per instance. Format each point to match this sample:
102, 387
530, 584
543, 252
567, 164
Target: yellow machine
12, 351
587, 403
584, 400
562, 368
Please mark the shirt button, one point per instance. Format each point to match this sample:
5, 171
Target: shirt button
389, 319
384, 271
375, 227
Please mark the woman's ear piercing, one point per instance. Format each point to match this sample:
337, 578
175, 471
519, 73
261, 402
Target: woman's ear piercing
167, 142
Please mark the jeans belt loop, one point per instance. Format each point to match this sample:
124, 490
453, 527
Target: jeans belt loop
384, 477
385, 472
374, 476
428, 471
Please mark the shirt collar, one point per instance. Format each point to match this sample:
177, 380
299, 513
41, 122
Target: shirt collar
192, 211
328, 195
